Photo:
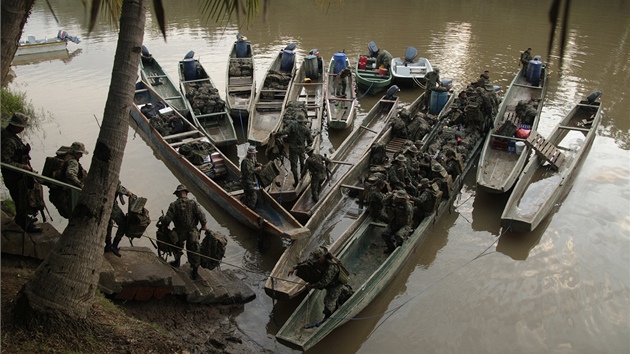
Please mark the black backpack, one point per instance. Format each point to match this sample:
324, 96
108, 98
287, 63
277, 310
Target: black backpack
212, 249
138, 218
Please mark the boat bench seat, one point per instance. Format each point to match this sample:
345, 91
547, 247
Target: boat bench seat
189, 140
545, 150
181, 135
241, 88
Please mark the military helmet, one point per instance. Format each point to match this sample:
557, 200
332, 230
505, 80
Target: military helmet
181, 188
425, 182
400, 194
436, 167
19, 120
318, 253
413, 149
437, 70
78, 147
401, 158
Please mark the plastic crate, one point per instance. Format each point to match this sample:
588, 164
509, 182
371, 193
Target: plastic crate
499, 144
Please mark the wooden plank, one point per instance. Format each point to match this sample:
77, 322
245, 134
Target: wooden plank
573, 128
239, 88
352, 187
176, 144
181, 135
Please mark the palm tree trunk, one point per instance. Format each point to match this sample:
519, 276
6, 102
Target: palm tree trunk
65, 283
14, 16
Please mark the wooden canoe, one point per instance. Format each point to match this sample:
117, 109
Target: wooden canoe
370, 269
268, 216
336, 205
152, 73
540, 186
340, 111
352, 148
265, 117
240, 89
498, 168
217, 123
312, 93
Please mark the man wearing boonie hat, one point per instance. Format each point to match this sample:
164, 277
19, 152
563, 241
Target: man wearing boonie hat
17, 154
399, 226
72, 173
316, 164
298, 136
249, 168
397, 173
424, 204
185, 214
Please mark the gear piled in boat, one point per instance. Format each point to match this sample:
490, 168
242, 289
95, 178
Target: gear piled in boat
204, 98
242, 67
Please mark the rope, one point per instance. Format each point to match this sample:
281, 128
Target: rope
366, 92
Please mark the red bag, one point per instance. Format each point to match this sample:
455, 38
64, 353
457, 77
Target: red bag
522, 133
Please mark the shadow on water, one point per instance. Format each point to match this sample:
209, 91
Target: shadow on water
517, 245
487, 209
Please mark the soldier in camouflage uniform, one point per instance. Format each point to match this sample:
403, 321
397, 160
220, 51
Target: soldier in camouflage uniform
526, 56
120, 218
424, 203
375, 200
397, 173
298, 136
249, 168
72, 173
16, 153
341, 82
336, 284
383, 59
186, 214
399, 226
432, 79
316, 164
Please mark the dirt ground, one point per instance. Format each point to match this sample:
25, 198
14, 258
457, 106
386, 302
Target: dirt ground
169, 325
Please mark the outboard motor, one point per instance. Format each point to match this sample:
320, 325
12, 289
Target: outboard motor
64, 36
391, 91
594, 97
372, 49
311, 64
189, 55
146, 56
410, 55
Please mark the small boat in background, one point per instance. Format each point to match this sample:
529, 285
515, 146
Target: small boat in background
265, 117
240, 89
207, 110
33, 45
152, 73
409, 70
340, 106
549, 174
370, 78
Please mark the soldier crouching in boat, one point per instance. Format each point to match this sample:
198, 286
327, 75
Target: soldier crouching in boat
324, 271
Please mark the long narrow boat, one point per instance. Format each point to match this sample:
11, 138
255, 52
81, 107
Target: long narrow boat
410, 71
308, 89
268, 216
499, 165
240, 89
266, 117
543, 183
330, 210
207, 110
371, 79
340, 110
370, 269
352, 148
152, 73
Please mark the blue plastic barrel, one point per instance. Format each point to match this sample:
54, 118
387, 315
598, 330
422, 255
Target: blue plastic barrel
190, 69
288, 59
438, 100
241, 49
340, 62
533, 72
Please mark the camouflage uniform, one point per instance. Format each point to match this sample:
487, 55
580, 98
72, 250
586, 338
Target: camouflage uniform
397, 173
336, 291
384, 58
400, 222
298, 137
342, 82
432, 79
248, 179
16, 153
186, 214
73, 173
526, 56
316, 165
424, 203
119, 217
375, 200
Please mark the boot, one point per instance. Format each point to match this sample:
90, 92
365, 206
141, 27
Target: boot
175, 263
114, 248
195, 273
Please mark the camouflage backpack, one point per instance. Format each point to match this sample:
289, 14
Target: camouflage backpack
213, 248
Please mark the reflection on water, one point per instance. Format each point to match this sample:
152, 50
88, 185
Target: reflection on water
571, 288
